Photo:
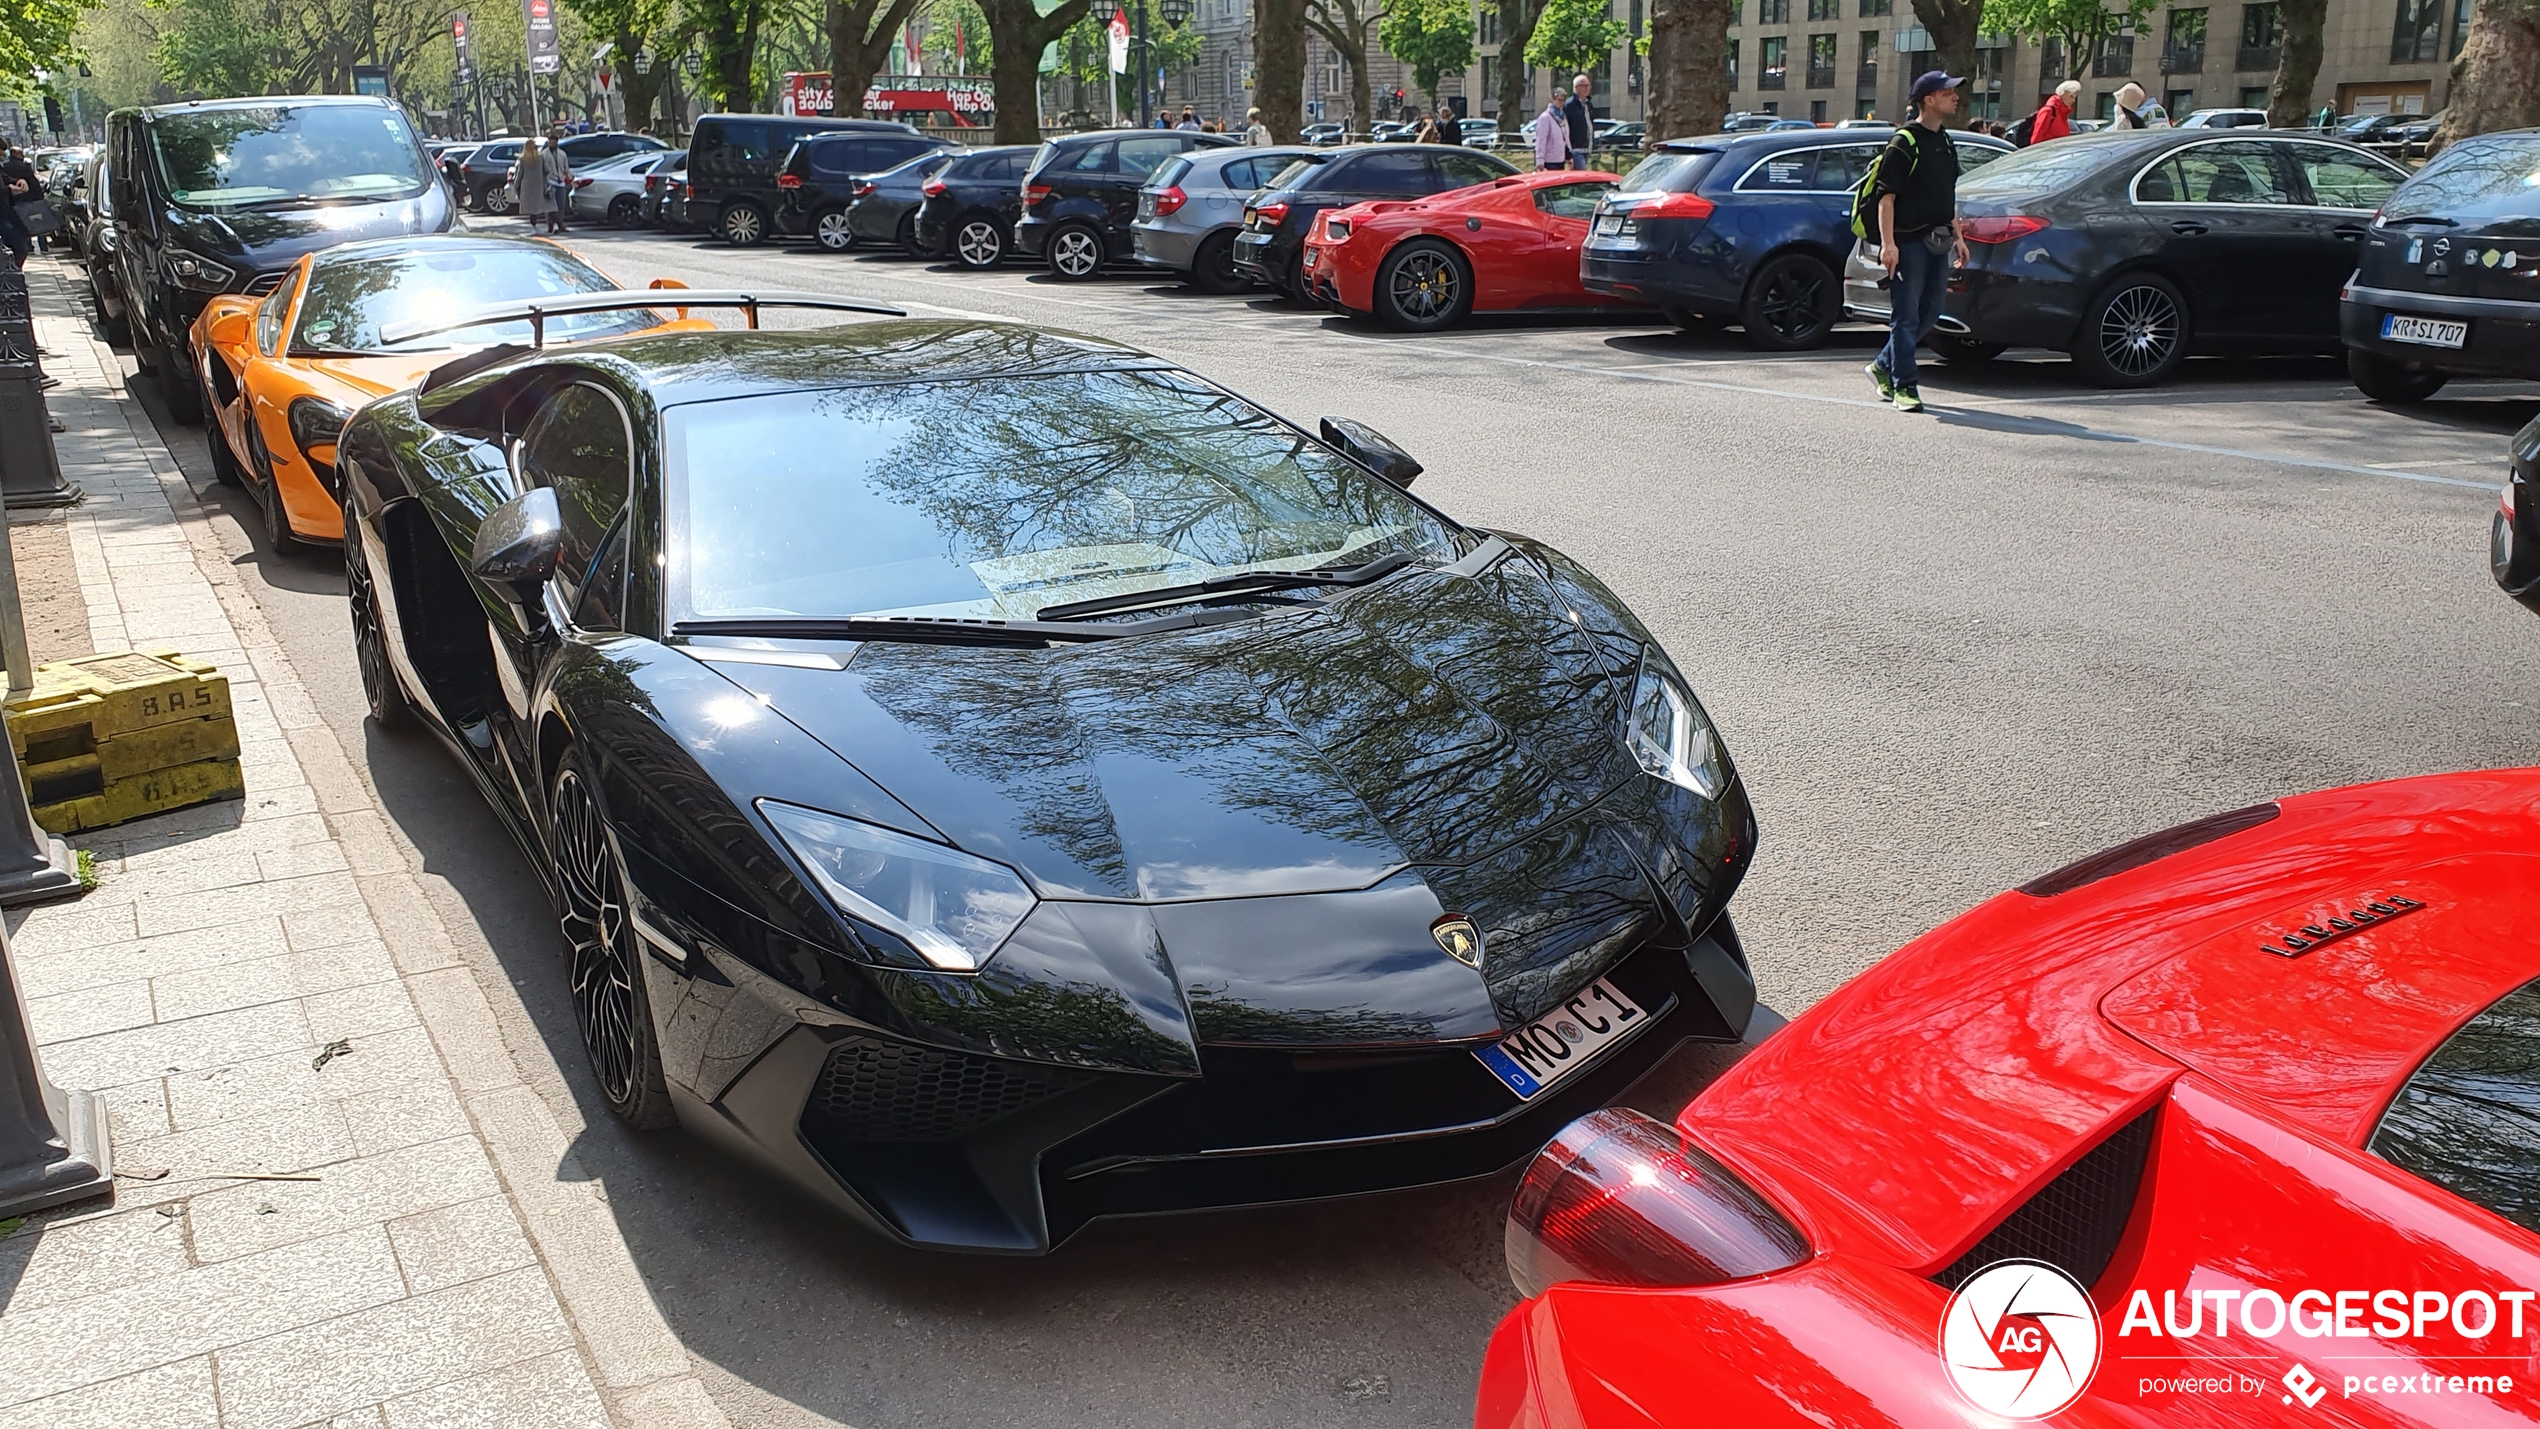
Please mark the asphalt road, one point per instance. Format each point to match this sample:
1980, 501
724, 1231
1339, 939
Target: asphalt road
1949, 652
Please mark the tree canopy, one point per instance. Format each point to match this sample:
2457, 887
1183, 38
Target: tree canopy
1572, 35
1433, 37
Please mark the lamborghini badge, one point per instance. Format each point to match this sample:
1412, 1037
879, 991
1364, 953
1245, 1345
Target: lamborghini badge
1461, 940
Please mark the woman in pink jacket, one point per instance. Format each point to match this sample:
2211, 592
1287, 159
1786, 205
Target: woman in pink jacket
1552, 137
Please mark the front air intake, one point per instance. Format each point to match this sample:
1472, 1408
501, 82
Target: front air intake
2074, 1221
871, 1090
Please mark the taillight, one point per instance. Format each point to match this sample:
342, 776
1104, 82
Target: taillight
582, 183
1170, 201
862, 187
932, 187
1036, 193
2000, 228
1620, 1199
1671, 206
687, 190
789, 181
1271, 214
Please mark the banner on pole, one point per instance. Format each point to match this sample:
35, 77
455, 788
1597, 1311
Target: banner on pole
540, 16
466, 50
1119, 41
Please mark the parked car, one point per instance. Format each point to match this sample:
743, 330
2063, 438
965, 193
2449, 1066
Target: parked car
820, 176
2371, 130
2415, 138
1744, 228
1629, 138
1191, 209
224, 195
1480, 133
1058, 944
2294, 1040
2513, 542
1271, 248
971, 205
452, 162
97, 244
1425, 265
1324, 133
733, 161
2225, 119
612, 190
580, 149
2132, 250
660, 187
487, 173
1080, 194
2449, 281
1749, 123
884, 206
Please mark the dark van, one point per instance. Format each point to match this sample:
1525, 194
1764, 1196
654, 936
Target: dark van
222, 196
733, 161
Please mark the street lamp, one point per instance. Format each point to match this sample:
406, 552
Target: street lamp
1175, 12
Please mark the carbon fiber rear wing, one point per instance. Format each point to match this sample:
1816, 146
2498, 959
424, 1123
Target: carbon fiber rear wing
535, 312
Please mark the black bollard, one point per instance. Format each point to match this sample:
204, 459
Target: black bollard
35, 867
52, 1142
30, 470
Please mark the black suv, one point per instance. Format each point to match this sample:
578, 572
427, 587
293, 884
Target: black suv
733, 161
1081, 194
820, 177
1278, 218
223, 196
971, 204
2445, 283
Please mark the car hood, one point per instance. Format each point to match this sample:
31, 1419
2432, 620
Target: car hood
269, 238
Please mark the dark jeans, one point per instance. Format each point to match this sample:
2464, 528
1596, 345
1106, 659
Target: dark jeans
1922, 279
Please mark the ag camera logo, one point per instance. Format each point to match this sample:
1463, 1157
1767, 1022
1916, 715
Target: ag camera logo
2020, 1339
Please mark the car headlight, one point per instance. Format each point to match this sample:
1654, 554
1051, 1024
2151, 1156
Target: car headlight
105, 240
954, 909
1670, 735
316, 422
195, 271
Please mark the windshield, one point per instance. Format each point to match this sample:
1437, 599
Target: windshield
996, 498
2480, 181
349, 301
288, 153
1296, 170
2043, 167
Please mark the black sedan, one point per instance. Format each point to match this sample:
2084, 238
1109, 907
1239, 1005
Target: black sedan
2132, 249
997, 779
1271, 243
883, 208
2513, 550
970, 207
2450, 278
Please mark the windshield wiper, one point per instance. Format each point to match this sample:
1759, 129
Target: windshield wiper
952, 630
1228, 584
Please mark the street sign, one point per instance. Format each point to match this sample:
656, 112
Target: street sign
540, 16
466, 50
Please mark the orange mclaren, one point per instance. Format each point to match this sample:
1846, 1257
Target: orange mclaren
282, 373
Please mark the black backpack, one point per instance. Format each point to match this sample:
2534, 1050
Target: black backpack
2018, 133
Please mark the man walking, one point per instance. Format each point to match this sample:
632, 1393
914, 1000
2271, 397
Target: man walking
1917, 197
1582, 116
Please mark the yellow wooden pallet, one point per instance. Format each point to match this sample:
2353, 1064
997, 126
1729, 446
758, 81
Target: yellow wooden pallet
121, 800
79, 706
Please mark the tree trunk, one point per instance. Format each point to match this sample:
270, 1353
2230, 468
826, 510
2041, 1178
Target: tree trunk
1347, 35
858, 46
637, 90
1517, 26
1688, 67
729, 55
1278, 53
2297, 67
2496, 80
1953, 25
1017, 36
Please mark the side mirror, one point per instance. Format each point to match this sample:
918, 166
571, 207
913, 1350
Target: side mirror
517, 547
231, 329
1364, 445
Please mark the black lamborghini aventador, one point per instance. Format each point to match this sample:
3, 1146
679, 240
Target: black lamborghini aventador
998, 779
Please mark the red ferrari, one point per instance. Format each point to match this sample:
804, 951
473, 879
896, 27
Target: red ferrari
2235, 1124
1427, 263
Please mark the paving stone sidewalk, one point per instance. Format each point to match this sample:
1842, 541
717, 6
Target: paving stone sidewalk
434, 1257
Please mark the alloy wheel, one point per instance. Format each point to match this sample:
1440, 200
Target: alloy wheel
1424, 287
600, 937
2139, 331
1075, 253
833, 232
1794, 303
741, 226
979, 244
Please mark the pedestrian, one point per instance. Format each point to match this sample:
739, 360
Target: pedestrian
1190, 120
558, 171
2055, 117
1582, 115
1552, 136
2327, 118
529, 183
2129, 113
23, 186
1256, 133
1916, 193
1450, 127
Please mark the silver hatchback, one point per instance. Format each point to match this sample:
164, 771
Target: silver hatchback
612, 190
1191, 207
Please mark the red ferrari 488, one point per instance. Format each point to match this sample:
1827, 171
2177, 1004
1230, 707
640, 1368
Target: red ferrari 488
1428, 263
2235, 1124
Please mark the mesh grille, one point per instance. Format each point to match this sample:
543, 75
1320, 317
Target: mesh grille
2075, 1220
872, 1090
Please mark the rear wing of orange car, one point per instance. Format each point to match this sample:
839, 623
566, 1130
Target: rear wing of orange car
536, 311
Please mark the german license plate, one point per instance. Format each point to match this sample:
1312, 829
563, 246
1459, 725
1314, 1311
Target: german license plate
1609, 225
2429, 331
1562, 1041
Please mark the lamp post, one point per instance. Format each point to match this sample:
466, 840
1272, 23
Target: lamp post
1175, 13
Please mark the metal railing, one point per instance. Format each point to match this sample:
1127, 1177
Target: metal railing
2183, 58
2115, 59
2257, 57
1821, 76
1774, 78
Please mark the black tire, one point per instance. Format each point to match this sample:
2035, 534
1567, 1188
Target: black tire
2134, 334
380, 690
979, 242
830, 229
1074, 252
179, 387
2398, 384
1692, 321
280, 539
625, 211
1964, 351
743, 225
1791, 304
1424, 285
1213, 267
225, 467
116, 330
906, 237
604, 966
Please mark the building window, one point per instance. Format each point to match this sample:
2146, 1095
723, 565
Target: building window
2261, 37
2180, 103
2417, 34
1775, 55
1737, 14
1490, 81
1490, 25
1733, 64
2183, 52
1871, 9
1869, 57
2253, 96
1821, 61
2115, 57
1817, 111
1866, 109
2460, 26
1825, 9
1772, 12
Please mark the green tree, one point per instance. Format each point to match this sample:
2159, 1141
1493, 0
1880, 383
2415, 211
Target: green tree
1346, 25
2496, 80
1434, 37
631, 27
1018, 30
34, 35
1278, 58
1570, 36
2077, 25
861, 33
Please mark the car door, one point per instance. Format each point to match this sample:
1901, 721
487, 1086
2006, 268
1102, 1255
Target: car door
2232, 226
2342, 188
580, 444
1540, 264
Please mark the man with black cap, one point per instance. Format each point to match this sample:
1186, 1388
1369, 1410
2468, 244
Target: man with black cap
1917, 198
